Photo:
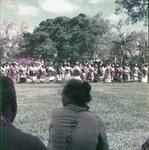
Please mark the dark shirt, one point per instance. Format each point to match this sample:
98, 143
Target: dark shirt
12, 138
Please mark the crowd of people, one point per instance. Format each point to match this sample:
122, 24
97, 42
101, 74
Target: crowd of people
93, 72
72, 127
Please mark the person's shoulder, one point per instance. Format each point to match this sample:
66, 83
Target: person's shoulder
59, 111
29, 141
14, 138
95, 117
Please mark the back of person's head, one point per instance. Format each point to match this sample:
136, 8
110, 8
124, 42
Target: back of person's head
7, 98
145, 145
76, 92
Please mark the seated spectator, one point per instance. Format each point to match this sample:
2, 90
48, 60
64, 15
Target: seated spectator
145, 146
74, 127
13, 138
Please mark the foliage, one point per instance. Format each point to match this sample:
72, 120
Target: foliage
80, 38
37, 45
65, 39
10, 37
129, 47
103, 46
137, 10
1, 54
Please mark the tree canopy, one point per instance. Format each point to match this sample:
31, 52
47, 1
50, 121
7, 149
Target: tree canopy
83, 38
10, 36
65, 39
80, 38
137, 10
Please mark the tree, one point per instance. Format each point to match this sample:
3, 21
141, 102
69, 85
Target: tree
140, 50
69, 39
38, 45
10, 37
103, 46
1, 54
137, 10
130, 47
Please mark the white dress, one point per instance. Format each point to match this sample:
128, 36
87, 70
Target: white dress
145, 75
136, 74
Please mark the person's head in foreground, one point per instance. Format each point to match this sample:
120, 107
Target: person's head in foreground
145, 145
13, 138
74, 127
7, 99
76, 92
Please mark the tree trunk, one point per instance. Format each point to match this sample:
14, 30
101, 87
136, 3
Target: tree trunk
115, 59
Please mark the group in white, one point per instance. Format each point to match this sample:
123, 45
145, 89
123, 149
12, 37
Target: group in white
92, 72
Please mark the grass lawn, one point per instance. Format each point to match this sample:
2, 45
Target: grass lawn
124, 108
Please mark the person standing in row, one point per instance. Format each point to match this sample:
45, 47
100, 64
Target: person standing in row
126, 73
13, 72
135, 73
145, 73
108, 73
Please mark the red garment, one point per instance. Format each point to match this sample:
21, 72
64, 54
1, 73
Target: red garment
14, 74
117, 74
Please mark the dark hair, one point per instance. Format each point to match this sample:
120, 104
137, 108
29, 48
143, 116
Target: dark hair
145, 146
7, 94
77, 91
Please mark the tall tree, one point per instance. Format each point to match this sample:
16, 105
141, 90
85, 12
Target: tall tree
130, 47
10, 37
70, 38
38, 45
1, 54
137, 10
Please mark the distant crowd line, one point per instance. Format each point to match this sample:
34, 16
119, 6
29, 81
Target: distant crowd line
92, 72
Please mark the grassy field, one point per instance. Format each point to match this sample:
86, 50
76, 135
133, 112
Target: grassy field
123, 107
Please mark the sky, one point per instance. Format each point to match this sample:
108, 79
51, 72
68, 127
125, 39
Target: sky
32, 12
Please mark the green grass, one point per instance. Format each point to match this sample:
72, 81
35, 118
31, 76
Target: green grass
124, 108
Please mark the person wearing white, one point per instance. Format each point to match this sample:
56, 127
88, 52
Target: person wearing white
145, 73
68, 70
108, 77
136, 72
76, 72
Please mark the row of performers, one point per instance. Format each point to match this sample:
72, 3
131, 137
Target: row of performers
109, 73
